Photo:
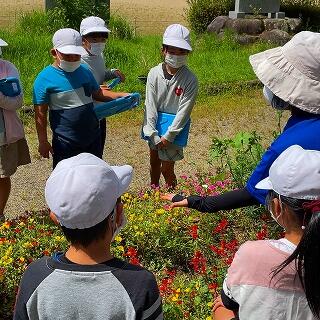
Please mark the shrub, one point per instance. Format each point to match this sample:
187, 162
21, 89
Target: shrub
69, 13
201, 12
308, 10
121, 28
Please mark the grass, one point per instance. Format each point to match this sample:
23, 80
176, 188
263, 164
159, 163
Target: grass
214, 61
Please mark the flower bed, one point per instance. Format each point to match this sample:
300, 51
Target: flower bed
188, 251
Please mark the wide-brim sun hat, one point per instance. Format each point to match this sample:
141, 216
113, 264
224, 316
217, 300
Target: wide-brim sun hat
83, 190
292, 72
93, 25
295, 174
176, 35
3, 43
68, 41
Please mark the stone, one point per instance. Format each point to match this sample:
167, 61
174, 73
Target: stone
246, 39
217, 24
294, 24
281, 24
248, 26
275, 36
256, 7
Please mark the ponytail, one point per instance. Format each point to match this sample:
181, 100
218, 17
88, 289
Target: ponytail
307, 254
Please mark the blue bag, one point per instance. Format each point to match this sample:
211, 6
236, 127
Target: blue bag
10, 86
164, 122
107, 109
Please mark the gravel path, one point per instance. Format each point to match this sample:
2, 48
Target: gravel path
222, 118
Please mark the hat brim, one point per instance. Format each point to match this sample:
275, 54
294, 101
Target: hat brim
95, 30
265, 184
124, 174
285, 81
72, 50
178, 43
3, 43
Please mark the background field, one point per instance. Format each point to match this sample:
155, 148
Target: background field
147, 16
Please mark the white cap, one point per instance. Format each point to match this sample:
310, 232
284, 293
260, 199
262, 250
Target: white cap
93, 24
3, 43
295, 174
68, 41
83, 190
178, 36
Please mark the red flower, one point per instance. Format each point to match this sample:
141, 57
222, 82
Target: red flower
221, 226
46, 253
263, 233
17, 230
194, 231
213, 286
134, 260
131, 252
199, 262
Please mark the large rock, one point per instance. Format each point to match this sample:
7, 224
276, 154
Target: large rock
217, 24
271, 24
275, 36
247, 26
295, 24
246, 38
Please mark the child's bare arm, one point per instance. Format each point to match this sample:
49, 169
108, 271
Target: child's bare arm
107, 95
41, 111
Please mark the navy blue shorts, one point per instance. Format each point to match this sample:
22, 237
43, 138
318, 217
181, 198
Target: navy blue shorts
64, 150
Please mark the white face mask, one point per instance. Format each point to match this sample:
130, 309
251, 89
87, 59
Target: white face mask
69, 66
123, 223
97, 48
275, 101
175, 61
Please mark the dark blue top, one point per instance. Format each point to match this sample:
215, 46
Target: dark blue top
302, 129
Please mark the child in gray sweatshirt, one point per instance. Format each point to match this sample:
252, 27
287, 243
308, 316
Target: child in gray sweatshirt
171, 89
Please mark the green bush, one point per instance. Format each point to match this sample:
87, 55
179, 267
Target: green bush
308, 10
201, 12
121, 28
69, 13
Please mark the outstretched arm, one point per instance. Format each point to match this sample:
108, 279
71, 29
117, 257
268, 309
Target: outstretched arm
226, 201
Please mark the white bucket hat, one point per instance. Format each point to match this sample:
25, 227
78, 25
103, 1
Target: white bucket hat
68, 41
93, 24
83, 190
3, 43
295, 174
176, 35
292, 72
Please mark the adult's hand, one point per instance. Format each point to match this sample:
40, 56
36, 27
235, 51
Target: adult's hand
45, 149
169, 196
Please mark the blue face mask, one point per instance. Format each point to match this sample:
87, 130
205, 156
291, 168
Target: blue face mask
275, 101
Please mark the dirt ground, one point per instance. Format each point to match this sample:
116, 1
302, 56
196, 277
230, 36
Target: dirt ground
221, 117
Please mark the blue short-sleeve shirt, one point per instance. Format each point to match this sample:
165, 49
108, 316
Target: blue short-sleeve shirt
69, 97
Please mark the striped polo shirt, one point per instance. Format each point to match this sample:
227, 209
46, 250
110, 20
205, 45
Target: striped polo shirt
69, 97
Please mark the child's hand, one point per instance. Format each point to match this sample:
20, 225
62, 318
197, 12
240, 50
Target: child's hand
120, 75
163, 144
45, 149
169, 197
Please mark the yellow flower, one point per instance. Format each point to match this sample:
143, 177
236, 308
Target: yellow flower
22, 224
145, 196
59, 238
210, 304
22, 259
31, 220
175, 297
120, 248
6, 225
178, 290
187, 290
160, 211
209, 318
28, 245
118, 238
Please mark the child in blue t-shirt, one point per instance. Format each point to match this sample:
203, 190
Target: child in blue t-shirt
67, 88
